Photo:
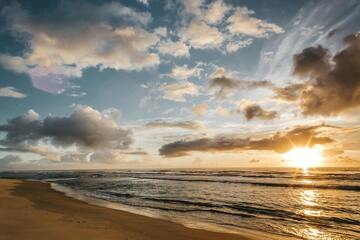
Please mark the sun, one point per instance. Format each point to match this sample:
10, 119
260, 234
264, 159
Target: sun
304, 157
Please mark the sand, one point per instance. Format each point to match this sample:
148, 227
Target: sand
31, 210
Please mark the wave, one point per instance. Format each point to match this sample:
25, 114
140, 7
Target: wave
352, 176
240, 174
266, 184
240, 210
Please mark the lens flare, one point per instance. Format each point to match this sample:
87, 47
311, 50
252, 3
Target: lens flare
304, 157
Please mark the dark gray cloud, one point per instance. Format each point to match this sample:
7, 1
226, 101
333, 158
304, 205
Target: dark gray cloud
224, 86
278, 142
250, 110
289, 93
332, 82
332, 33
311, 61
177, 124
85, 127
253, 110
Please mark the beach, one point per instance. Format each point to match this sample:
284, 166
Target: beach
163, 204
32, 210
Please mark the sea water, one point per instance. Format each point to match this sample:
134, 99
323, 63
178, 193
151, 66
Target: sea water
312, 204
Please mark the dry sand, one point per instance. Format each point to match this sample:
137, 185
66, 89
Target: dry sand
33, 211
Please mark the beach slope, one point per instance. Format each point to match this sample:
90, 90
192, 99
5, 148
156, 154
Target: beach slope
32, 210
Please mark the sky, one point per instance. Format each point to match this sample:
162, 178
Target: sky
178, 83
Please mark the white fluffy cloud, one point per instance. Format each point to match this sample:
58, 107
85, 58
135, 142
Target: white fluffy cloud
214, 23
11, 92
241, 22
184, 72
145, 2
211, 13
178, 91
176, 49
216, 11
200, 35
64, 43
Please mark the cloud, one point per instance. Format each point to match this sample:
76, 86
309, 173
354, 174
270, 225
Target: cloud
200, 35
161, 31
215, 12
252, 110
216, 22
184, 72
197, 161
104, 156
332, 83
85, 128
200, 109
11, 92
311, 61
75, 158
177, 124
46, 152
278, 142
249, 109
224, 85
232, 47
212, 13
254, 161
223, 112
332, 33
241, 22
176, 49
332, 14
178, 91
112, 113
109, 157
111, 36
9, 162
14, 63
145, 2
193, 6
288, 93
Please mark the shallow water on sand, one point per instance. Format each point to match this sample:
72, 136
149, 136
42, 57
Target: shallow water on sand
316, 204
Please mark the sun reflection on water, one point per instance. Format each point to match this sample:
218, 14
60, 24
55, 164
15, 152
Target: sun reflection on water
309, 199
313, 233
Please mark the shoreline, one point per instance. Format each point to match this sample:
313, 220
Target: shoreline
33, 210
68, 192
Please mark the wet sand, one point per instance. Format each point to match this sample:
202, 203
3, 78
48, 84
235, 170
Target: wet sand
32, 210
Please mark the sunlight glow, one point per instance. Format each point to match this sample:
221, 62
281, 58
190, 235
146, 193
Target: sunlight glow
304, 157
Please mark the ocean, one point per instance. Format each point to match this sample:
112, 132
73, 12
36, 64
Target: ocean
314, 204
